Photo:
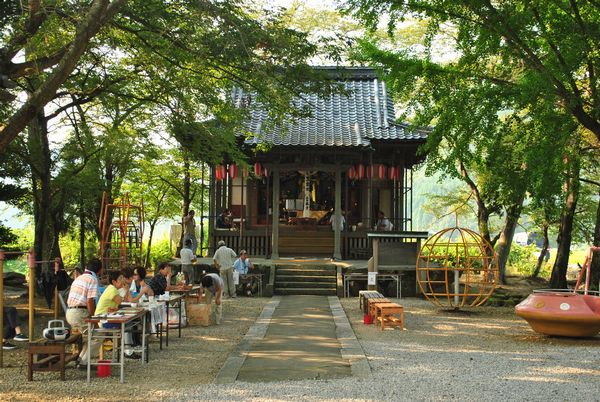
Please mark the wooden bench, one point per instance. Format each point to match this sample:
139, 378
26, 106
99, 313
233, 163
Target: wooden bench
45, 355
374, 302
389, 314
365, 296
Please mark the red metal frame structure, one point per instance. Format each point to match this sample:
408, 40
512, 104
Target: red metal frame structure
121, 225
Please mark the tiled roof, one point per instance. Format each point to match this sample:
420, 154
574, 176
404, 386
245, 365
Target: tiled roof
365, 113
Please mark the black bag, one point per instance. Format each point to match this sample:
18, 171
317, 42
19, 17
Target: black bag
63, 280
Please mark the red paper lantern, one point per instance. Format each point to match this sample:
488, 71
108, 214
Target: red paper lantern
245, 173
257, 169
398, 172
233, 170
218, 172
392, 173
370, 171
381, 172
360, 171
351, 172
266, 172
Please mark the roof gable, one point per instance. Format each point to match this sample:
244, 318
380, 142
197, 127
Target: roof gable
354, 119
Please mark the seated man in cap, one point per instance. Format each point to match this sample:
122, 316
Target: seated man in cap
243, 266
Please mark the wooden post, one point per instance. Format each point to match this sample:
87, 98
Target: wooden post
56, 268
370, 197
337, 250
375, 266
212, 208
202, 188
31, 264
275, 232
1, 303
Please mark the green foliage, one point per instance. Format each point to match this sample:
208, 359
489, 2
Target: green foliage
18, 265
24, 241
160, 252
69, 248
523, 260
7, 236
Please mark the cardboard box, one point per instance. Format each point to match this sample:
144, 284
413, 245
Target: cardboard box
198, 314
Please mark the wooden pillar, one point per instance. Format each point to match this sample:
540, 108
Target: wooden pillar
347, 209
275, 216
202, 188
337, 250
212, 200
370, 221
401, 201
31, 279
375, 266
242, 212
2, 303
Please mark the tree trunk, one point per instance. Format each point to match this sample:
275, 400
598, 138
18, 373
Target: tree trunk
40, 162
483, 213
558, 280
81, 234
595, 267
543, 253
187, 185
506, 236
147, 259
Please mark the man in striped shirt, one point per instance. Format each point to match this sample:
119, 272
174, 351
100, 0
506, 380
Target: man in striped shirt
82, 304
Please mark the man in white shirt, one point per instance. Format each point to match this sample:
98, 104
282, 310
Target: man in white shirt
224, 259
341, 224
187, 267
383, 223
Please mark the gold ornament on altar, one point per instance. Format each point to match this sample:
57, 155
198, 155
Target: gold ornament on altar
457, 267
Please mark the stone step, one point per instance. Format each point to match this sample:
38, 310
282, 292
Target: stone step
305, 291
312, 285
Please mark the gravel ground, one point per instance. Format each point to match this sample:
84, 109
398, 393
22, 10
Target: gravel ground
193, 359
483, 354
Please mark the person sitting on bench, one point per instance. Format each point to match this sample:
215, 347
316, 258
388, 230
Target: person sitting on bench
12, 328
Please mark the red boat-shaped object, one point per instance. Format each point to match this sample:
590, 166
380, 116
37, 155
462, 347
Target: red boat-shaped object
568, 312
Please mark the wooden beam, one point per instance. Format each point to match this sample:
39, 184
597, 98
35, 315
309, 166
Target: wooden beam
275, 216
337, 250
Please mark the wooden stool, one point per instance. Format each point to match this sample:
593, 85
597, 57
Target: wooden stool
390, 314
371, 306
365, 296
55, 357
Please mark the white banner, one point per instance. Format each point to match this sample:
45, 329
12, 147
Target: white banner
372, 278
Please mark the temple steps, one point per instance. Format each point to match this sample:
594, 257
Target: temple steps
306, 243
305, 280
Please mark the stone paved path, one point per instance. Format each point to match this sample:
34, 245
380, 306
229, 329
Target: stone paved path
300, 343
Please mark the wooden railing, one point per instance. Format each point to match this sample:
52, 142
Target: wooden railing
256, 242
355, 245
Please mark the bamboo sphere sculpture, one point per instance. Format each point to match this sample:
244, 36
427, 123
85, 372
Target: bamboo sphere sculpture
457, 268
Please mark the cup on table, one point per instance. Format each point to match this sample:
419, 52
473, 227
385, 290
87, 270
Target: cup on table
134, 304
151, 299
166, 295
